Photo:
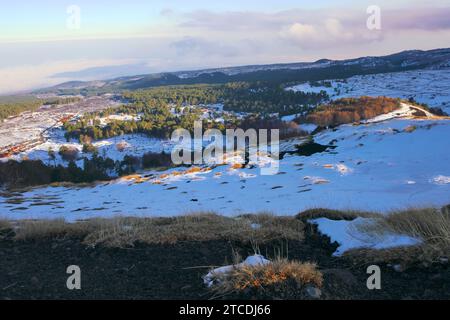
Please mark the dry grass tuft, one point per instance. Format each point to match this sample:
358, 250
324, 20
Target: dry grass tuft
122, 232
5, 224
50, 229
193, 170
432, 226
125, 232
267, 227
410, 129
279, 273
121, 146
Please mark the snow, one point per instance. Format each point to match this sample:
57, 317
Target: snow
215, 106
370, 169
441, 180
118, 117
348, 236
425, 86
343, 169
405, 111
316, 180
376, 166
45, 129
308, 88
254, 260
30, 125
135, 145
308, 127
289, 117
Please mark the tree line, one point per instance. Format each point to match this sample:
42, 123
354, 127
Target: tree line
14, 174
14, 105
348, 110
156, 119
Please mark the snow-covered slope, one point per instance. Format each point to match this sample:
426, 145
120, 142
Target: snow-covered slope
425, 86
135, 145
377, 166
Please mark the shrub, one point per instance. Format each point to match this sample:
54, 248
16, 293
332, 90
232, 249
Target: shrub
85, 140
89, 148
438, 112
410, 129
156, 160
121, 146
68, 153
24, 173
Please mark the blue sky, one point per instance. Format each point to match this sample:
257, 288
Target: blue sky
46, 19
120, 37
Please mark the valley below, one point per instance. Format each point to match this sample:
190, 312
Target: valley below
91, 182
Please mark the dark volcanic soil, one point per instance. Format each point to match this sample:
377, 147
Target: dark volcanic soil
37, 270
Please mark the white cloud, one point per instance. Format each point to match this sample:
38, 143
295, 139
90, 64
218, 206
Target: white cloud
335, 28
202, 39
327, 33
16, 79
301, 32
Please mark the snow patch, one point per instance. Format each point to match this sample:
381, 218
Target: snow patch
316, 180
254, 260
348, 236
381, 163
308, 127
289, 118
425, 86
343, 169
441, 180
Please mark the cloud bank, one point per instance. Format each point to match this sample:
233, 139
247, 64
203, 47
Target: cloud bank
203, 38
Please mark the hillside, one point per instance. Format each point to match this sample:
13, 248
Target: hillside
277, 73
348, 110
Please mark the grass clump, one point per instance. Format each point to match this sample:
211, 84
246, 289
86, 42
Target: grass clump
127, 231
276, 278
32, 230
197, 227
5, 224
410, 129
431, 226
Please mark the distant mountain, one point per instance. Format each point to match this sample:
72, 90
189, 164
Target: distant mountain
274, 73
417, 58
106, 72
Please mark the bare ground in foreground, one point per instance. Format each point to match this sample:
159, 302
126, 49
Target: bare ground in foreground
35, 267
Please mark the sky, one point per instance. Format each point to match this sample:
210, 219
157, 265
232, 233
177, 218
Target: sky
47, 42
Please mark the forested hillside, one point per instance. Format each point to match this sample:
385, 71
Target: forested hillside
158, 119
350, 110
13, 105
